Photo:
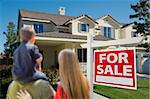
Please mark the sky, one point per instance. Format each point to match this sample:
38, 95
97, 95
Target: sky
119, 9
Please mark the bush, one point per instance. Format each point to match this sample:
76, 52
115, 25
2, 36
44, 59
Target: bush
5, 80
53, 76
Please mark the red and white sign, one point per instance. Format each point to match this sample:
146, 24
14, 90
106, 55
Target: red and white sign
116, 68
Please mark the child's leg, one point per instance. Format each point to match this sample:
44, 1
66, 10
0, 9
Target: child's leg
39, 75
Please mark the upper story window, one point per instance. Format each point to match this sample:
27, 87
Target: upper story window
107, 32
38, 28
83, 27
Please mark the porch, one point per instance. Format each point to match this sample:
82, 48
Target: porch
51, 48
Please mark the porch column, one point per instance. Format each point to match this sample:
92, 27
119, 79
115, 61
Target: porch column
74, 47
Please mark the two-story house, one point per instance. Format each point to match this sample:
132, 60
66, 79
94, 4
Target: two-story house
58, 31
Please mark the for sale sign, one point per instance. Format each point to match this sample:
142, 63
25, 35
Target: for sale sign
115, 68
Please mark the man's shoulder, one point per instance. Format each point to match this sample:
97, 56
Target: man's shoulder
41, 82
39, 89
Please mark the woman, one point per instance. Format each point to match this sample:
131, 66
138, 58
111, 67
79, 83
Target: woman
73, 84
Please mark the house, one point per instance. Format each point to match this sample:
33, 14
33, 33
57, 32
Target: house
58, 31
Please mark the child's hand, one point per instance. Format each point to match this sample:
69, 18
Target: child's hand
23, 94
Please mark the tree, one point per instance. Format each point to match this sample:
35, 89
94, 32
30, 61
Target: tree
11, 38
142, 13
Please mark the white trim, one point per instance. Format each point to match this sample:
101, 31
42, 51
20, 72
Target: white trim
37, 20
60, 39
84, 17
135, 68
115, 80
110, 85
116, 49
118, 42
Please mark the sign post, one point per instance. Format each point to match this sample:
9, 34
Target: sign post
116, 68
90, 63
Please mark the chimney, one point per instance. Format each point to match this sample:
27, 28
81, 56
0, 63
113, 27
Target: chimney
62, 10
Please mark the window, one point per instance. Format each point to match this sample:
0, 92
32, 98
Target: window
82, 55
38, 28
83, 27
107, 31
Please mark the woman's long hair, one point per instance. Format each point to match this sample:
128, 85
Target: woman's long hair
72, 80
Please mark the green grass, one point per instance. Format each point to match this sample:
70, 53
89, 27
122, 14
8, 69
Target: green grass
142, 92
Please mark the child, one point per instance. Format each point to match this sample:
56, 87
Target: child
27, 58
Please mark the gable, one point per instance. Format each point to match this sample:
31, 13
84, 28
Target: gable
109, 21
81, 18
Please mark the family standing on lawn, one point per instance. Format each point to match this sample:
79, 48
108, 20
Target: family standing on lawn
30, 83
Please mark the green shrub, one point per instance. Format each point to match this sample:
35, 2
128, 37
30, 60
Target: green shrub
5, 80
53, 76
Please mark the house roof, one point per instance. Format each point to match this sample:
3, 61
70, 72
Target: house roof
76, 18
70, 36
125, 25
56, 18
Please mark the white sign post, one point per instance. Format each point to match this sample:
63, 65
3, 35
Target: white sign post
90, 63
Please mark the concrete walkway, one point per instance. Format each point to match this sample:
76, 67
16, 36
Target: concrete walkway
97, 96
144, 76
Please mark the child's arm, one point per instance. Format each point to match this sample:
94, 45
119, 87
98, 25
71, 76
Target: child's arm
38, 61
38, 57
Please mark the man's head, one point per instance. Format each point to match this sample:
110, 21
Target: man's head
28, 34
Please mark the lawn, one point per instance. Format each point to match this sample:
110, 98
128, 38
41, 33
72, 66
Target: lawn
143, 91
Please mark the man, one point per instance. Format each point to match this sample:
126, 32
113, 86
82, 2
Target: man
25, 75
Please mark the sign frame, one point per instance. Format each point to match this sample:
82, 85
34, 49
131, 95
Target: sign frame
117, 85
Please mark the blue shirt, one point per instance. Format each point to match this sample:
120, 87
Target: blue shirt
24, 62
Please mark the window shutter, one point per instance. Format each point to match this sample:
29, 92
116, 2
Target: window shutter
109, 32
40, 28
87, 27
35, 27
79, 27
113, 32
105, 31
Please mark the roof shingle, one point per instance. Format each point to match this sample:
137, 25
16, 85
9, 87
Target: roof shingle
56, 18
70, 36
